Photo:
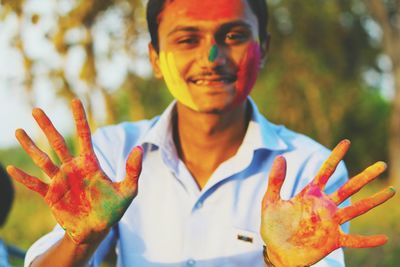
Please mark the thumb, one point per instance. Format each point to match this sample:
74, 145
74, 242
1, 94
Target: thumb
275, 181
128, 187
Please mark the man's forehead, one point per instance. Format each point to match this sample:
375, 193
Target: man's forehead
205, 9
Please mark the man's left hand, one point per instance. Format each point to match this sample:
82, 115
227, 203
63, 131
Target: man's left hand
303, 230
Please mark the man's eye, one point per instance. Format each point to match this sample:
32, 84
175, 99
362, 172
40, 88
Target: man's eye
235, 37
188, 41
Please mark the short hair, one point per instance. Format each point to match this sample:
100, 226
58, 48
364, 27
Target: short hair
155, 7
6, 195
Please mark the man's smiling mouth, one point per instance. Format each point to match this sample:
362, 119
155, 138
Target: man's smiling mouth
213, 80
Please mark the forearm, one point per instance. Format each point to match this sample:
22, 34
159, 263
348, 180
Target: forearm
67, 253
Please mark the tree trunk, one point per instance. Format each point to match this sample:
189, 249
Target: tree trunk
389, 23
394, 134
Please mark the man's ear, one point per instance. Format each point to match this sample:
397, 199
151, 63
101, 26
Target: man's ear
155, 61
265, 49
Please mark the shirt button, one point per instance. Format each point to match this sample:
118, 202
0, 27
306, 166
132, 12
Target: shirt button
191, 262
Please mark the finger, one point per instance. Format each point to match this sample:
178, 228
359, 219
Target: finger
275, 181
29, 181
56, 140
365, 205
40, 158
128, 187
329, 166
82, 126
357, 182
359, 241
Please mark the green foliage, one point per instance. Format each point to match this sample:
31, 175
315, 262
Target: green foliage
150, 95
312, 82
383, 220
30, 218
366, 124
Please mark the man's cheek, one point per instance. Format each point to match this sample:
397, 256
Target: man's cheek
176, 85
249, 67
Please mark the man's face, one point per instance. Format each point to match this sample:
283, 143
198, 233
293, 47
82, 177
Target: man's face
209, 52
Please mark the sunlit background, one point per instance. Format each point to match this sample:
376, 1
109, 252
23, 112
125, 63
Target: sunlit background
333, 72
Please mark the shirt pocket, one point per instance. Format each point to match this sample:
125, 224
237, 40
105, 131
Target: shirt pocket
244, 248
242, 241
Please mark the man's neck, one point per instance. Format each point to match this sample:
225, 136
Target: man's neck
205, 140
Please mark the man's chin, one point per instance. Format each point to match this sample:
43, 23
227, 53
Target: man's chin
216, 107
211, 111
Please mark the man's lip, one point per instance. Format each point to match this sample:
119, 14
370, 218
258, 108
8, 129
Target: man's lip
212, 79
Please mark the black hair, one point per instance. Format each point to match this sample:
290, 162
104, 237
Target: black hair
155, 7
6, 195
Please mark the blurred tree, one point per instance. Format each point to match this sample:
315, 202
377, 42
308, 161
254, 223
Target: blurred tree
76, 27
314, 79
101, 31
387, 15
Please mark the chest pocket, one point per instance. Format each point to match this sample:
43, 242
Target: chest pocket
244, 248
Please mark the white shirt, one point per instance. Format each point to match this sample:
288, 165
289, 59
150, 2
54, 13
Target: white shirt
172, 223
3, 255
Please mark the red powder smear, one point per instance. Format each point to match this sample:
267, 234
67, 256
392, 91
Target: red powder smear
248, 72
205, 9
315, 218
78, 201
315, 191
76, 193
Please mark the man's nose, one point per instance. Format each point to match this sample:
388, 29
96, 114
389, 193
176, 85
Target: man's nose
213, 55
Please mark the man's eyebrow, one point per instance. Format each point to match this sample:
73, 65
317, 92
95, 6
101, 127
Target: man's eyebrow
223, 27
236, 23
183, 29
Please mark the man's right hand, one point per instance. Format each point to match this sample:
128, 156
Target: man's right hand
83, 200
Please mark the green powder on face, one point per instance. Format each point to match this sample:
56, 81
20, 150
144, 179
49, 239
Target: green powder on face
213, 53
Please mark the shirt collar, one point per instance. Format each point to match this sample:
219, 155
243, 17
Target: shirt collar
260, 134
160, 133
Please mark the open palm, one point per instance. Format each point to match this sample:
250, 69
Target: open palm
303, 230
84, 201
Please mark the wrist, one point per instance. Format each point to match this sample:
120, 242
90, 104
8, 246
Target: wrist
83, 250
267, 260
92, 238
273, 263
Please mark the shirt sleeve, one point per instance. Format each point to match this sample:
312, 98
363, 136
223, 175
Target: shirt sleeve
3, 255
43, 244
47, 241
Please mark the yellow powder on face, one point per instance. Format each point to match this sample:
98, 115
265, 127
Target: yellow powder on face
176, 85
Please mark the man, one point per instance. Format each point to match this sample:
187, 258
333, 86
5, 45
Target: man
205, 165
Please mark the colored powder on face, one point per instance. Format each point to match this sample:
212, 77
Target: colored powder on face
247, 75
212, 56
249, 68
205, 9
176, 85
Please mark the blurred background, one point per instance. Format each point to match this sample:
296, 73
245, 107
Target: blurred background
333, 72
